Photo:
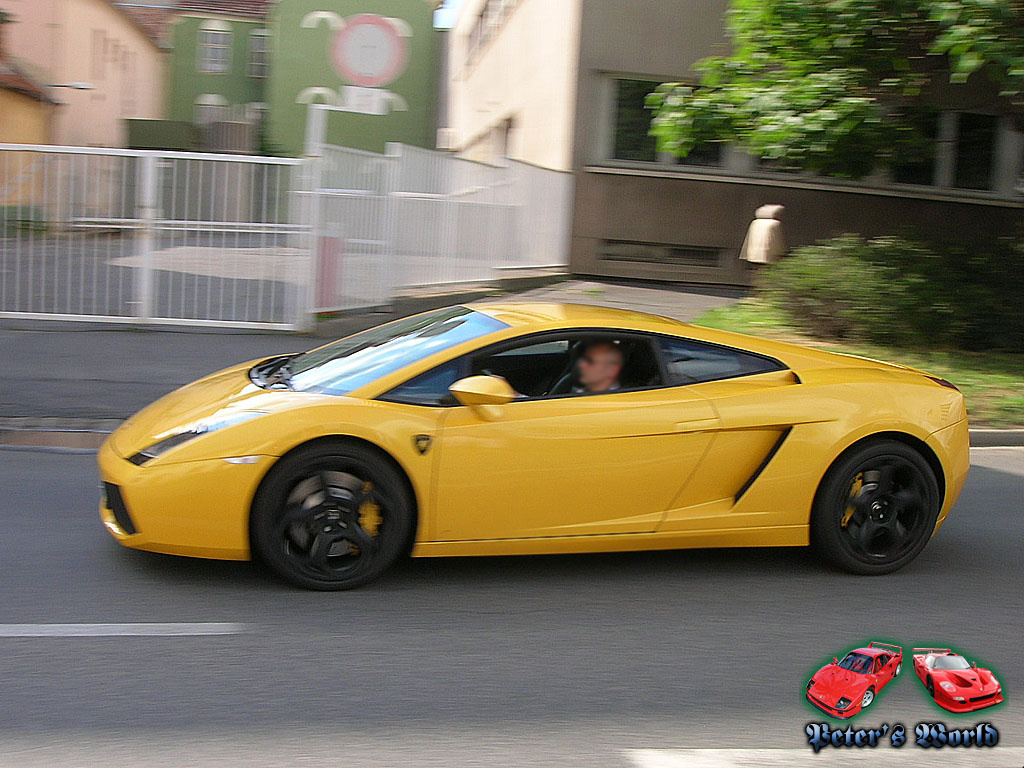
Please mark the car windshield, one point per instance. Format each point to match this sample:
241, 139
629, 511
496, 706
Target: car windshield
856, 662
352, 362
951, 662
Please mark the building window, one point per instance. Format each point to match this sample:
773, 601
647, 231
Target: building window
963, 152
99, 54
921, 169
632, 138
493, 14
211, 108
975, 151
214, 47
255, 112
258, 50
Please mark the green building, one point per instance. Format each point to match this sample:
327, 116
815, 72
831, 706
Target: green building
219, 62
377, 58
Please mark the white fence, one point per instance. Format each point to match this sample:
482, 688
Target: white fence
413, 218
193, 238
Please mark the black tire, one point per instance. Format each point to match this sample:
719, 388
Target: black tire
876, 509
930, 685
332, 516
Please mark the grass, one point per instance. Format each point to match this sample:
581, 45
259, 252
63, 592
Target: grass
992, 382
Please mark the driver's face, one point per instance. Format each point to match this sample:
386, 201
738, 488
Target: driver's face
600, 366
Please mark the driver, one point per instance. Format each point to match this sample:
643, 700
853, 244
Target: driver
599, 368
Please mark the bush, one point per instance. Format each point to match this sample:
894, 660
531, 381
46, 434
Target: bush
894, 291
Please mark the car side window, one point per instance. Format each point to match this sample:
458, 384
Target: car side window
882, 661
692, 362
430, 387
552, 367
532, 368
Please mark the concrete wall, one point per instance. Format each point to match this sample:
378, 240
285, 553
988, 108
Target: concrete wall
24, 120
691, 211
89, 41
521, 79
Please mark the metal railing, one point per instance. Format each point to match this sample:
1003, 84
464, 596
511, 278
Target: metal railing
413, 218
242, 241
154, 237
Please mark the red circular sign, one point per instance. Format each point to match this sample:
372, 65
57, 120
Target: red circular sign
368, 51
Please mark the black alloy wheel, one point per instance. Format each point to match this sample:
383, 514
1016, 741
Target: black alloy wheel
332, 517
876, 509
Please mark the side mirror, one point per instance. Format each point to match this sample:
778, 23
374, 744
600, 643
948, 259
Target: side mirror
483, 393
835, 660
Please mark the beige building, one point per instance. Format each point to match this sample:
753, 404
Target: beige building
98, 63
512, 80
561, 83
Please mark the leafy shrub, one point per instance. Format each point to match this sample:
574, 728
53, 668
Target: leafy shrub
894, 291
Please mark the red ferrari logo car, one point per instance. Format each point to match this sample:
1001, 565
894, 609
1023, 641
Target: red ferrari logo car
953, 682
843, 688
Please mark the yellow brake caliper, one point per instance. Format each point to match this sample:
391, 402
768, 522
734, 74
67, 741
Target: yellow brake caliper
855, 489
369, 513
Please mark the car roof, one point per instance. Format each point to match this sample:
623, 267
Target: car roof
873, 651
553, 314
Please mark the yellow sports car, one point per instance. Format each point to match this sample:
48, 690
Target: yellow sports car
538, 428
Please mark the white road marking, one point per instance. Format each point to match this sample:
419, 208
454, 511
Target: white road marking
997, 447
153, 629
884, 754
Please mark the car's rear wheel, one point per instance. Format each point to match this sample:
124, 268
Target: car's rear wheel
876, 508
899, 668
331, 516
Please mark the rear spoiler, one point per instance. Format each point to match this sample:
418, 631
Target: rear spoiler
932, 650
890, 646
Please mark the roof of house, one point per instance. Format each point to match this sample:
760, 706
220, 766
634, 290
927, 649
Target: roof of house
154, 16
151, 19
256, 9
14, 79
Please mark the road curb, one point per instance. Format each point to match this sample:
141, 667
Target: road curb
27, 433
997, 438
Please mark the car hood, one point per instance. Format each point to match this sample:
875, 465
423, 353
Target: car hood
832, 683
221, 393
968, 682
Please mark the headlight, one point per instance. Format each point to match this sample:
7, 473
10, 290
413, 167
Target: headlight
947, 686
809, 684
202, 427
843, 703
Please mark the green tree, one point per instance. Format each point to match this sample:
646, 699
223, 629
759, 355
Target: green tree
839, 87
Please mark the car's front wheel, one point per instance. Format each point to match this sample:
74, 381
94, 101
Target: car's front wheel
876, 508
869, 696
331, 516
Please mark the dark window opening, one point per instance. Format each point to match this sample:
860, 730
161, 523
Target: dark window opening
633, 140
975, 151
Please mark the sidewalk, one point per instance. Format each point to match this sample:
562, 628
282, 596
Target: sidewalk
77, 376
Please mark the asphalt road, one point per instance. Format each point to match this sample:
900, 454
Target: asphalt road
610, 660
